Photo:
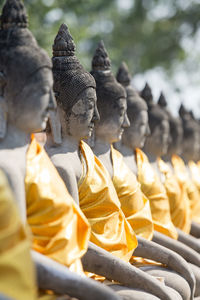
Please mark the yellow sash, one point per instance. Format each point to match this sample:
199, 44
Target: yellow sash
178, 199
192, 191
100, 204
134, 204
155, 192
195, 172
60, 230
17, 277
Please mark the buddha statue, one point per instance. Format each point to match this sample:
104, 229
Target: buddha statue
176, 132
60, 232
184, 166
176, 192
131, 141
158, 122
189, 190
112, 238
111, 104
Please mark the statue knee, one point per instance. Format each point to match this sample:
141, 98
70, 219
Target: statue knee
196, 271
172, 280
132, 294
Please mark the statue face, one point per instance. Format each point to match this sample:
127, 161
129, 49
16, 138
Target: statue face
161, 136
157, 142
79, 122
29, 109
113, 120
191, 146
135, 135
175, 146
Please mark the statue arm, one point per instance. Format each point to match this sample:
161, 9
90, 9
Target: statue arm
186, 252
16, 186
188, 240
195, 229
150, 250
101, 262
56, 277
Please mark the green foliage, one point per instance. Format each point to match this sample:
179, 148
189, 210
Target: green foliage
147, 34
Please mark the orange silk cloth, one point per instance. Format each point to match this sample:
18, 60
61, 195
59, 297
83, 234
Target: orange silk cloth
192, 190
155, 191
17, 276
178, 198
59, 228
100, 204
195, 173
134, 204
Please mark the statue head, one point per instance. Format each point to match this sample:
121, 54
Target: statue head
25, 74
146, 94
75, 89
190, 142
157, 143
176, 130
135, 135
111, 98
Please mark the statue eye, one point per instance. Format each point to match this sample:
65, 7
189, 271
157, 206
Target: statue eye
90, 106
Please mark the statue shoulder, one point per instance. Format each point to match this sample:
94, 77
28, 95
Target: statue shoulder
15, 178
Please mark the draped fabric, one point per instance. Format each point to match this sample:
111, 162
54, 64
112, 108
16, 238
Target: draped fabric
155, 191
17, 276
99, 202
134, 204
178, 198
195, 173
192, 190
59, 228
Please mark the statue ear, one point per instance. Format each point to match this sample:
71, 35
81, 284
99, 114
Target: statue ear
55, 125
3, 107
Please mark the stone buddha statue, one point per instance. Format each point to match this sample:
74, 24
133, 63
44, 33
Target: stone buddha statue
134, 138
188, 186
176, 192
87, 179
176, 131
113, 120
160, 131
185, 164
131, 140
59, 229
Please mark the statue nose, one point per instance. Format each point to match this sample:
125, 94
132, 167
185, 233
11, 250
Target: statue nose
96, 116
148, 131
126, 121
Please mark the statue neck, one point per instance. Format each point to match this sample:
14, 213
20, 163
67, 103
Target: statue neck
167, 157
186, 159
151, 156
69, 143
14, 138
101, 146
125, 150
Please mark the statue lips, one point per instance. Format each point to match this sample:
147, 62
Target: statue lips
121, 131
91, 126
45, 115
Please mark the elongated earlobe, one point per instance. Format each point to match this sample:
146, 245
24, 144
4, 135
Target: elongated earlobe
3, 107
3, 117
55, 125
